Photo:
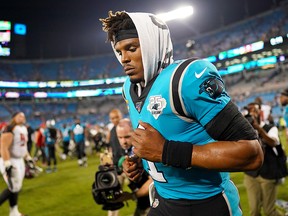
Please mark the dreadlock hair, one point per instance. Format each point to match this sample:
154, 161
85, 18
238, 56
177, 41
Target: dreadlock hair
116, 22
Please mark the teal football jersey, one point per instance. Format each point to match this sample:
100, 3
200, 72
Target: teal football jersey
198, 91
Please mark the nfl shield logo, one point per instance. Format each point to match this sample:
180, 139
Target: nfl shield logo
155, 203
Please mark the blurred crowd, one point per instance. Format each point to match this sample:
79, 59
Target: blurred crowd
262, 27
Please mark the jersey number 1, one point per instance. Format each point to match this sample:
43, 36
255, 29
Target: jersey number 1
154, 173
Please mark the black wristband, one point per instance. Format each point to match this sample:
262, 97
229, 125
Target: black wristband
177, 154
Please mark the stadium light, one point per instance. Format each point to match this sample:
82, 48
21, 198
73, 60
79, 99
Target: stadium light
179, 13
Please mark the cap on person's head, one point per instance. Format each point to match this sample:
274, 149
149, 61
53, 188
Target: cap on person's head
285, 92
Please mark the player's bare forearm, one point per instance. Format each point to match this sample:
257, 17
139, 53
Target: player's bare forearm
242, 155
144, 190
6, 141
239, 155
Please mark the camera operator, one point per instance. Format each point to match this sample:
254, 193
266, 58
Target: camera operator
261, 185
140, 189
114, 197
114, 115
117, 152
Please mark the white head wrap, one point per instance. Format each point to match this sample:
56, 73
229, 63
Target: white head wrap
155, 43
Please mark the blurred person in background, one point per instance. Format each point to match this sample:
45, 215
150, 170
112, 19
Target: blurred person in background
262, 184
30, 137
265, 109
50, 134
115, 115
65, 136
13, 151
78, 134
284, 102
98, 137
284, 97
40, 144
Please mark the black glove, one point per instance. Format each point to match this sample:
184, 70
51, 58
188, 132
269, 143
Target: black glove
8, 171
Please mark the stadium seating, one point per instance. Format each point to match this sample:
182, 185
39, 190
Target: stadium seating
243, 89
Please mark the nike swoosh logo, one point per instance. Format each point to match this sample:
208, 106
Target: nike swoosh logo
198, 75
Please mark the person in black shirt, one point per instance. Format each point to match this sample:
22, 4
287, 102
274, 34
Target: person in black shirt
115, 115
284, 97
30, 133
114, 146
262, 184
140, 190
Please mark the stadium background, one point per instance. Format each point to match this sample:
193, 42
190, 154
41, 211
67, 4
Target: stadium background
58, 65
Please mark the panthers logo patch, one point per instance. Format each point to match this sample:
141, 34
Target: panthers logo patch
212, 86
156, 105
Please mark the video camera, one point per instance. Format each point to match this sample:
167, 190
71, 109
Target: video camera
106, 187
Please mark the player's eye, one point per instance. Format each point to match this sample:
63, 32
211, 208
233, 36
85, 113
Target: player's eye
132, 49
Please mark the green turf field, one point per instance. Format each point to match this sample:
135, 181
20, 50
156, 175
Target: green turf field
68, 192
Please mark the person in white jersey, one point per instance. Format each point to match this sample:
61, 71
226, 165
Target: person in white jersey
13, 151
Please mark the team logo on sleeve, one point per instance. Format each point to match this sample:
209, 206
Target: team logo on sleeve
212, 86
156, 105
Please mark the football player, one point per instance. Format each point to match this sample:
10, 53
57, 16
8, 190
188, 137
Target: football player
187, 130
13, 150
